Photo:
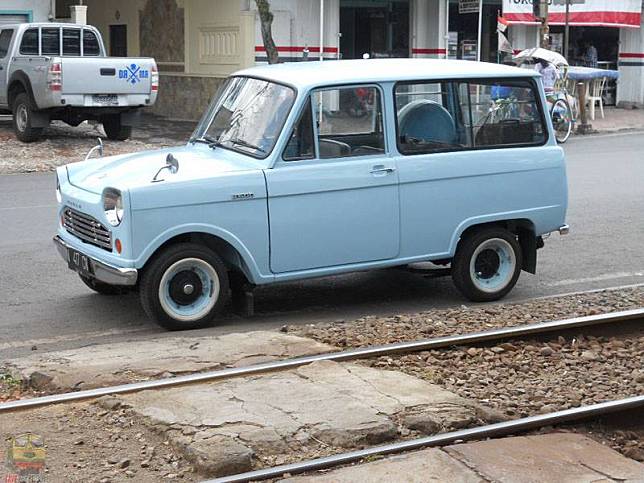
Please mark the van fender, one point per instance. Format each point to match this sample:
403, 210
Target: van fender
248, 263
518, 222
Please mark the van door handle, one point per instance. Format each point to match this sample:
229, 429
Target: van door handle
381, 169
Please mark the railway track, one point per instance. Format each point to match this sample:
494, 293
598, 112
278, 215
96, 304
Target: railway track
502, 334
481, 432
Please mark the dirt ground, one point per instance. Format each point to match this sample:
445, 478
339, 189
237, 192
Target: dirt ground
62, 144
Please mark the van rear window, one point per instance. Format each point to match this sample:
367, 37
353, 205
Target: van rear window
458, 115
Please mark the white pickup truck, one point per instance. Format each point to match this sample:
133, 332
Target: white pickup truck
51, 71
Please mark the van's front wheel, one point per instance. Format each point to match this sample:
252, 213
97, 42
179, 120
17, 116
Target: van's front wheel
487, 264
184, 287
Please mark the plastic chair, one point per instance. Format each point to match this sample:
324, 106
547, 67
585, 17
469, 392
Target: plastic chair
596, 90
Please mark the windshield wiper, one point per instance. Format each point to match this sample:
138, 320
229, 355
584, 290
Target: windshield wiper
246, 144
210, 141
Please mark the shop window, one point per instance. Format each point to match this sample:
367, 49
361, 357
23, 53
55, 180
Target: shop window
29, 43
349, 122
50, 41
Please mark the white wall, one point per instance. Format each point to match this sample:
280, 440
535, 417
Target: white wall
630, 88
428, 28
40, 9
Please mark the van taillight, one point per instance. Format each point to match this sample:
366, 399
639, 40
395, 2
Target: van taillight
155, 79
55, 77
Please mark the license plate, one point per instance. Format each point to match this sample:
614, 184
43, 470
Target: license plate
79, 263
106, 99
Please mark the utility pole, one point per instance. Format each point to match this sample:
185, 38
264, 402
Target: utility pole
567, 30
545, 28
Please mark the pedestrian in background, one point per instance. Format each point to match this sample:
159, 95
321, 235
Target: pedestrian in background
590, 56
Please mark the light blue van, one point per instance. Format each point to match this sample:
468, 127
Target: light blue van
309, 169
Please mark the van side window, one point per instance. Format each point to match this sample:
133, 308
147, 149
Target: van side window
50, 39
29, 43
503, 113
5, 40
349, 122
457, 115
428, 118
71, 42
300, 144
90, 43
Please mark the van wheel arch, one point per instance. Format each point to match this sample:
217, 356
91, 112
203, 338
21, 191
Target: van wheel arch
229, 254
525, 233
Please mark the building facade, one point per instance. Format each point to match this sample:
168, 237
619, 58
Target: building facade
197, 43
18, 11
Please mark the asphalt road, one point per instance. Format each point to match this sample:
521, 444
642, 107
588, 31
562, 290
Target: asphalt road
43, 304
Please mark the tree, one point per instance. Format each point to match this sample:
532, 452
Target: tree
266, 20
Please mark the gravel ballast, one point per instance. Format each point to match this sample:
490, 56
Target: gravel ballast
521, 377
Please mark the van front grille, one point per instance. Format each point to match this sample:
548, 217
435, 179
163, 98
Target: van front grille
87, 228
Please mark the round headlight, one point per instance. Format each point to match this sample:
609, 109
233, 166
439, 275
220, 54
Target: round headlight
59, 197
113, 206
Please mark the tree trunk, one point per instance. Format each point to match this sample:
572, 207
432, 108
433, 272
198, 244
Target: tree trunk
266, 20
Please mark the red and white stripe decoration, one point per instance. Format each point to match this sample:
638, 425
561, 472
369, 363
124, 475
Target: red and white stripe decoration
597, 13
429, 53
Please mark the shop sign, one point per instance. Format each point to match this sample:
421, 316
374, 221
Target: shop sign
587, 13
468, 6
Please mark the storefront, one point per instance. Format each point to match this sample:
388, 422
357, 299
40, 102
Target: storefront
464, 30
602, 33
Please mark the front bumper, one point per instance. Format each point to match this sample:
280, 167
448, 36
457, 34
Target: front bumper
101, 271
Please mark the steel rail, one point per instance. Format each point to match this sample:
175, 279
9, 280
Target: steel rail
352, 354
491, 430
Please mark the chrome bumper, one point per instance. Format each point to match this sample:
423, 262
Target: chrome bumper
564, 230
102, 271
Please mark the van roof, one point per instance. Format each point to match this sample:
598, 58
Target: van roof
315, 73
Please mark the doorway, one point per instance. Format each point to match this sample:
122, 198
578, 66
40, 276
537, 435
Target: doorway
118, 40
379, 28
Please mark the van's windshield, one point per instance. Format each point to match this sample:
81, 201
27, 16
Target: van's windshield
247, 115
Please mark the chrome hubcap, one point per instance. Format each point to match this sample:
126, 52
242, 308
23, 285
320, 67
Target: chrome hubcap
22, 117
189, 289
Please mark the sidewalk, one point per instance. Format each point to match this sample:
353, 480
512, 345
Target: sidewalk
617, 120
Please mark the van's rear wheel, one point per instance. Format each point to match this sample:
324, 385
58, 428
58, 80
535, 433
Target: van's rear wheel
184, 287
23, 119
114, 128
487, 264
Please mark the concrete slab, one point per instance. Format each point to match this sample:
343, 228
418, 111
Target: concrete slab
325, 404
560, 457
111, 364
563, 457
417, 467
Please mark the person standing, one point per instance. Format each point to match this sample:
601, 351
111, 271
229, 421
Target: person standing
590, 56
549, 74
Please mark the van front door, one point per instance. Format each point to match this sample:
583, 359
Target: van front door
333, 200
